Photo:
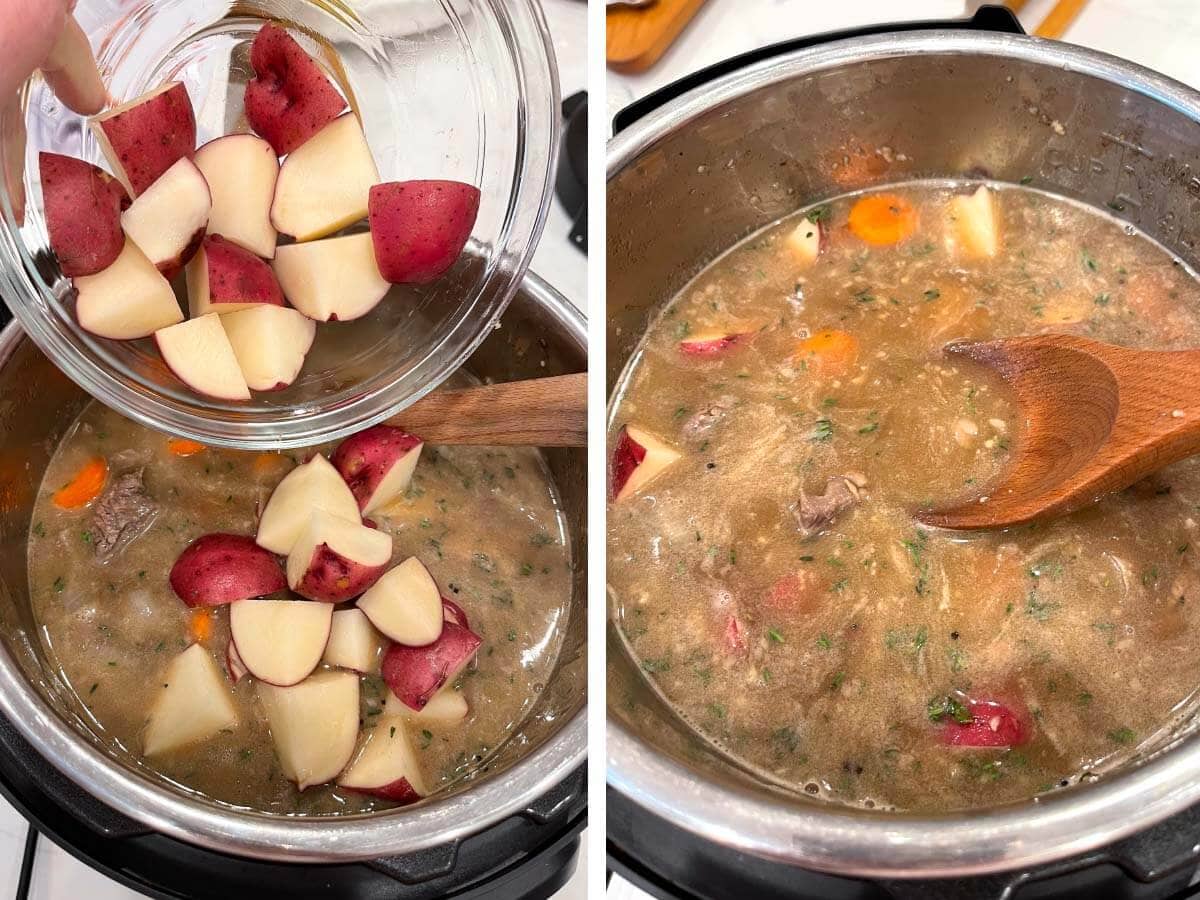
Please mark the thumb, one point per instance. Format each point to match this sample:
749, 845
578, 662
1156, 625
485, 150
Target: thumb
70, 70
28, 31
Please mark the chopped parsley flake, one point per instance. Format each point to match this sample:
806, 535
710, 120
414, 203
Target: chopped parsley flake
940, 708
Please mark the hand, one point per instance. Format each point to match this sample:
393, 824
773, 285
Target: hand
42, 34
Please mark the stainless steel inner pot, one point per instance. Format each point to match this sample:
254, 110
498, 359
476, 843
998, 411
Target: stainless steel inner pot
540, 334
695, 176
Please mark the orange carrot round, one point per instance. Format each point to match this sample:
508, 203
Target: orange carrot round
85, 487
883, 219
184, 447
266, 463
201, 625
830, 351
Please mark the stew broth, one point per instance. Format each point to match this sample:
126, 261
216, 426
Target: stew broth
772, 582
484, 521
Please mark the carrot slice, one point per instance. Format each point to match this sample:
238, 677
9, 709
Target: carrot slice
85, 487
201, 625
184, 447
829, 351
883, 219
266, 463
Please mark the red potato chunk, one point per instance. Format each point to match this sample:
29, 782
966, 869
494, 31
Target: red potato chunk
992, 724
454, 613
335, 560
290, 98
420, 227
404, 605
333, 578
314, 725
323, 186
198, 352
415, 674
83, 213
222, 568
377, 464
192, 705
129, 299
387, 765
143, 138
637, 459
224, 278
234, 667
712, 343
167, 221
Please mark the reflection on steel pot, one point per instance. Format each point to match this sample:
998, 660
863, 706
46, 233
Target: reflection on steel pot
695, 176
540, 334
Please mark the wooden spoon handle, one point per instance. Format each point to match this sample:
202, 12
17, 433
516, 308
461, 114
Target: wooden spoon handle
539, 412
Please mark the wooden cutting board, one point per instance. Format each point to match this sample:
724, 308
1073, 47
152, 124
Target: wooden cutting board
636, 37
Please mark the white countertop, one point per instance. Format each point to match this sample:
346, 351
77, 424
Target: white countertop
1160, 34
57, 874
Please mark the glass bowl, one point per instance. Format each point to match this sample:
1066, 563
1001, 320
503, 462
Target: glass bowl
457, 89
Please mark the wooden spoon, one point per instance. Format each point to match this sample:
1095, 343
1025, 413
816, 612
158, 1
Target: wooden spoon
539, 412
1096, 418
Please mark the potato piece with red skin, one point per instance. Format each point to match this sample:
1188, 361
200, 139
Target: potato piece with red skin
130, 299
234, 667
198, 352
414, 674
225, 278
454, 613
314, 725
420, 227
290, 98
143, 138
386, 765
220, 568
241, 170
446, 708
404, 604
323, 186
332, 578
377, 464
310, 486
270, 343
335, 560
993, 724
637, 459
280, 642
83, 207
168, 219
712, 343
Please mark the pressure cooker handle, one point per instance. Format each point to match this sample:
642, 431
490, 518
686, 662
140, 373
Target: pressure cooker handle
987, 18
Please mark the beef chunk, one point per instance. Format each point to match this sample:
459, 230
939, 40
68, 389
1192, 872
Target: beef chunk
123, 514
815, 513
700, 424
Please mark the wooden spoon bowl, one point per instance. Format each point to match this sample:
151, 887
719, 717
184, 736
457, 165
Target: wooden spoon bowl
1095, 419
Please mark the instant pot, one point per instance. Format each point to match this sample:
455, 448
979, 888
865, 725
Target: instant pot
512, 832
701, 164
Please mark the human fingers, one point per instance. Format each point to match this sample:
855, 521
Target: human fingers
28, 31
70, 71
